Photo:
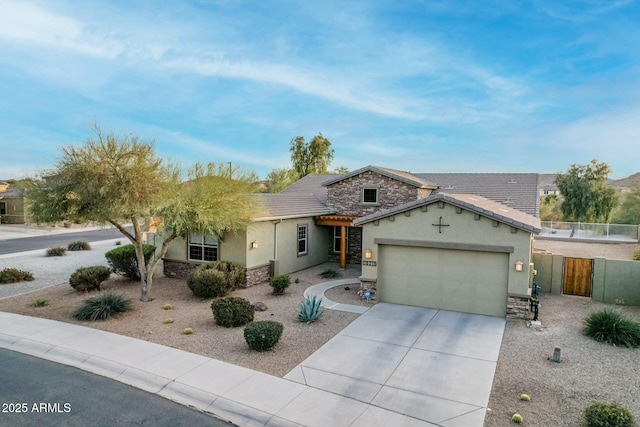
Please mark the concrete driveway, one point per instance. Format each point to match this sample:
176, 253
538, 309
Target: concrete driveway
432, 365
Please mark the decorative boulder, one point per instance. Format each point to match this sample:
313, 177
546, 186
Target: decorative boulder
260, 306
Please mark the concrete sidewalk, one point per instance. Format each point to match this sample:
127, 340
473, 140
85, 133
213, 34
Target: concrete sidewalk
240, 395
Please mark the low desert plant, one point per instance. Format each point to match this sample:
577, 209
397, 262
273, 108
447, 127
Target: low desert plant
13, 275
310, 309
40, 302
187, 331
636, 254
168, 307
89, 278
330, 273
123, 260
525, 397
79, 245
517, 418
612, 327
608, 415
168, 320
232, 311
215, 279
263, 335
57, 251
102, 307
280, 283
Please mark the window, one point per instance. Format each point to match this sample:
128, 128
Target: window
303, 237
3, 208
337, 232
203, 248
370, 196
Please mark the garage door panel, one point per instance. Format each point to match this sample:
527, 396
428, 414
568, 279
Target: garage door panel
466, 281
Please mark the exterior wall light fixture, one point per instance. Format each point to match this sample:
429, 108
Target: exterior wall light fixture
254, 244
368, 254
519, 266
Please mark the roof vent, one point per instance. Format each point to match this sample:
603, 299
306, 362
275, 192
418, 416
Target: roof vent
511, 181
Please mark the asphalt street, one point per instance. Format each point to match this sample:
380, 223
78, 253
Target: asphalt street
37, 392
52, 240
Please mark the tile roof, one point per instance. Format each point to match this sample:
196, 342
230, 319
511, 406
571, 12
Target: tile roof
284, 206
471, 202
311, 184
516, 190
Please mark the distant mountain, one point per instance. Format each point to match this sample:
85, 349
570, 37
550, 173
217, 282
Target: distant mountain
630, 181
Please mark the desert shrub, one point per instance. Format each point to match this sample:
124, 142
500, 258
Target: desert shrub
89, 278
79, 245
608, 415
310, 309
58, 251
330, 273
280, 283
636, 254
215, 279
263, 335
102, 307
123, 260
40, 302
13, 275
612, 327
232, 311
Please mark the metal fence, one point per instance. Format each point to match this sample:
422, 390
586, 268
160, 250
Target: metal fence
589, 231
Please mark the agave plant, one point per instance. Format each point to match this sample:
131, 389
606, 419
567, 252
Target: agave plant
310, 309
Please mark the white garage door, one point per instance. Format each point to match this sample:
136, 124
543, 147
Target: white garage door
447, 279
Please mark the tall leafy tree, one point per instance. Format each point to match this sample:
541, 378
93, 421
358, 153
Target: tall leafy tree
279, 179
314, 156
586, 195
118, 179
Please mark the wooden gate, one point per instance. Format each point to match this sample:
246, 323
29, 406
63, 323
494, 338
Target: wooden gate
577, 276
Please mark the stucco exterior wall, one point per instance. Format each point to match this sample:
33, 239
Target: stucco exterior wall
346, 196
288, 259
14, 211
462, 227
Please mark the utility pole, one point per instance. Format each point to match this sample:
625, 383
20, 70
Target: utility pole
230, 170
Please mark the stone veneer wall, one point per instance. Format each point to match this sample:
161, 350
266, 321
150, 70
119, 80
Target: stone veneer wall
345, 196
354, 246
368, 285
257, 275
517, 308
181, 270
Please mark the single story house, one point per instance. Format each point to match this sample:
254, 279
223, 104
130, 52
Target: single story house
12, 209
460, 242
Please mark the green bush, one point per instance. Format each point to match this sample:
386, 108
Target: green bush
79, 245
636, 254
280, 283
59, 251
612, 327
608, 415
102, 307
13, 275
310, 309
330, 273
89, 278
40, 302
263, 335
215, 279
232, 311
123, 260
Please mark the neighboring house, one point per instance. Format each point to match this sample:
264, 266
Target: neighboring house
461, 242
547, 185
12, 210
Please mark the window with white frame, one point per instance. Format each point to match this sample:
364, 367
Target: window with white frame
370, 196
337, 234
203, 248
303, 239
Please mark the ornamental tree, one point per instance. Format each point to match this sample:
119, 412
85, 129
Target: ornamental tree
119, 180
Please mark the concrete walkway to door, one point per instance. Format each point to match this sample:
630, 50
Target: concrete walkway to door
431, 365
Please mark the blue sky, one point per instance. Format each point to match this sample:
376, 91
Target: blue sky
423, 86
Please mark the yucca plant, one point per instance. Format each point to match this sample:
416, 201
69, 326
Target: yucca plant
310, 309
612, 327
102, 307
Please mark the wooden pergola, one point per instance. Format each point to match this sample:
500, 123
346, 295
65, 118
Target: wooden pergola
342, 221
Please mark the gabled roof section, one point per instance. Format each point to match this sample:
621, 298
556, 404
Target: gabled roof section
516, 190
406, 177
286, 206
311, 184
471, 202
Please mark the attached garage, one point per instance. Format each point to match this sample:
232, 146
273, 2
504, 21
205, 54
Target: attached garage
457, 280
451, 252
